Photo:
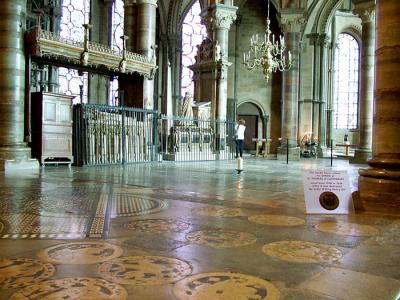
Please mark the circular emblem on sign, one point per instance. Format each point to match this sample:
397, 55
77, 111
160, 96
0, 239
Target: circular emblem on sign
302, 251
80, 253
72, 288
221, 285
20, 272
329, 200
144, 270
219, 238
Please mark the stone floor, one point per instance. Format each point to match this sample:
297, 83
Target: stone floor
188, 231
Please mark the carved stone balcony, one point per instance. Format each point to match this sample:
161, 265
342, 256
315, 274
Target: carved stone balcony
52, 48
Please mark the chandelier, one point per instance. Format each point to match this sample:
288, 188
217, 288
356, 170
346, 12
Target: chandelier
267, 54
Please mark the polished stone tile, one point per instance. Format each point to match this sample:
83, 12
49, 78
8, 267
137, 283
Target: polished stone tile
348, 285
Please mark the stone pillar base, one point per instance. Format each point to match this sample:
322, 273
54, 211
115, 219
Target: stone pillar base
361, 156
379, 191
322, 152
17, 157
294, 153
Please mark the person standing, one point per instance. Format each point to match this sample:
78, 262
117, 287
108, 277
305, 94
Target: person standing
240, 128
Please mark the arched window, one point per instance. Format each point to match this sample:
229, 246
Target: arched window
193, 33
347, 63
74, 15
116, 44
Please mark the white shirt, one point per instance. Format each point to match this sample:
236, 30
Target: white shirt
240, 131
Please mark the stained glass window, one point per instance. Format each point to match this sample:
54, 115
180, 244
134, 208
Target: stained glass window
347, 63
193, 33
74, 13
116, 44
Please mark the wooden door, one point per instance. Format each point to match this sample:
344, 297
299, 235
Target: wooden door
251, 131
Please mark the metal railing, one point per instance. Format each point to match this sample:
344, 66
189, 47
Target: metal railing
185, 139
113, 135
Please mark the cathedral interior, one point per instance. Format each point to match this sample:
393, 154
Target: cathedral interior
117, 149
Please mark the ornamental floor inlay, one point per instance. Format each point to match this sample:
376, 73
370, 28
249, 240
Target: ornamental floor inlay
302, 251
144, 270
343, 228
20, 272
224, 286
219, 238
35, 226
157, 225
219, 211
276, 220
80, 253
73, 288
125, 205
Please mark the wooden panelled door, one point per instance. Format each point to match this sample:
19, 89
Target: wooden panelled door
251, 131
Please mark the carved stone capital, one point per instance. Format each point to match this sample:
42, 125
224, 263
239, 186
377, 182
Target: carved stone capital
366, 13
129, 2
292, 22
150, 2
219, 16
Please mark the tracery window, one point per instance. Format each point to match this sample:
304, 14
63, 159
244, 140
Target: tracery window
116, 44
74, 13
347, 63
193, 33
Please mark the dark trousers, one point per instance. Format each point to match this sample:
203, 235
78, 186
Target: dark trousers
239, 147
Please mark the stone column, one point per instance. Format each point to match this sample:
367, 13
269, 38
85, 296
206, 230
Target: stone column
130, 24
174, 56
366, 11
323, 44
219, 17
145, 41
291, 25
379, 185
13, 151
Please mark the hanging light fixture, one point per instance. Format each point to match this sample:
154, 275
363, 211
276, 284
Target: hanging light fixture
267, 54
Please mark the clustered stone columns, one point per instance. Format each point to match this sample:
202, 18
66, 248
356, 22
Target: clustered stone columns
366, 11
145, 40
218, 19
291, 25
379, 185
13, 151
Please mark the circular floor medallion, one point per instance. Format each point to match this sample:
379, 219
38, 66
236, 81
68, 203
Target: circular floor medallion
224, 286
20, 272
302, 251
157, 225
72, 288
80, 253
343, 228
144, 270
276, 220
219, 238
219, 211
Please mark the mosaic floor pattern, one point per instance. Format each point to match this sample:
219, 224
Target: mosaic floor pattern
144, 270
77, 253
276, 220
219, 211
157, 225
342, 228
128, 205
219, 238
73, 288
302, 252
20, 272
225, 286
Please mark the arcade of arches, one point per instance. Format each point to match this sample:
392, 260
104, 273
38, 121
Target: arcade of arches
163, 229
